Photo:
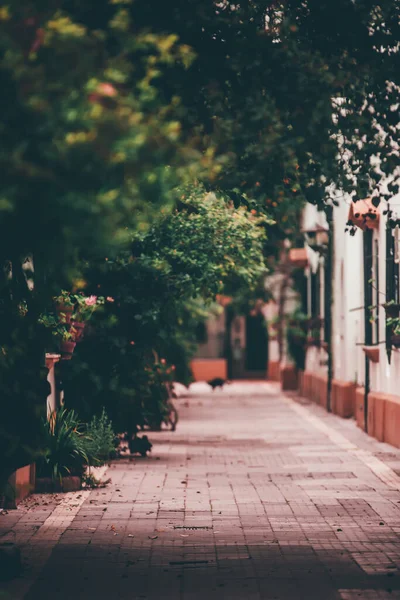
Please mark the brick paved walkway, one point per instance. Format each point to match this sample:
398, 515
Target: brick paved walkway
255, 496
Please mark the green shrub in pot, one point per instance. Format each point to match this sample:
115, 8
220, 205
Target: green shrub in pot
99, 440
66, 448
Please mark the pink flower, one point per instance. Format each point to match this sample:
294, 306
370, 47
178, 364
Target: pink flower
106, 89
163, 361
132, 343
91, 300
110, 299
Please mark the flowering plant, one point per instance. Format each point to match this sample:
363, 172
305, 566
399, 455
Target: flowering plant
165, 372
85, 306
59, 329
65, 299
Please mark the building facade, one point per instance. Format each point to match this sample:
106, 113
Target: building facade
353, 285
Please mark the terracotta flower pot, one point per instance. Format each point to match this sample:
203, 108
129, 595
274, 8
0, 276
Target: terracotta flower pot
67, 349
65, 311
364, 214
77, 330
298, 257
392, 310
298, 339
46, 485
395, 339
372, 352
315, 323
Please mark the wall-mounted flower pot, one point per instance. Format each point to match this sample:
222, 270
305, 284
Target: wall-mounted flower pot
298, 257
392, 310
223, 300
297, 324
299, 340
364, 215
51, 359
395, 339
67, 349
316, 323
77, 330
64, 311
372, 352
322, 237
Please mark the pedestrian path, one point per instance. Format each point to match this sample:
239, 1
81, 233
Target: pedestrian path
255, 496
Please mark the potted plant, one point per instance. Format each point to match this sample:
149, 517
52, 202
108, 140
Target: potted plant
274, 324
296, 341
62, 465
65, 304
297, 334
392, 310
298, 320
314, 338
77, 330
315, 322
49, 320
395, 337
67, 343
393, 322
372, 352
84, 308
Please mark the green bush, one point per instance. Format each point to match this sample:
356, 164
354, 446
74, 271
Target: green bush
99, 439
65, 443
296, 334
71, 446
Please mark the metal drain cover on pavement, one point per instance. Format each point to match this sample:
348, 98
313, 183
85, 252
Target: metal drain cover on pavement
191, 527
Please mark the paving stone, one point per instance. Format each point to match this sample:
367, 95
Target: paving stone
255, 496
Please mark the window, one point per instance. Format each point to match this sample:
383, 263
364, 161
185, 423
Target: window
377, 294
368, 286
392, 265
315, 294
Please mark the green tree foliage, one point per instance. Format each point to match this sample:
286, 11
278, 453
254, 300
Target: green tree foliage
89, 151
278, 86
204, 247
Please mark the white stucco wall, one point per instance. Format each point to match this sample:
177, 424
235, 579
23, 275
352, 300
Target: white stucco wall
348, 299
348, 305
214, 346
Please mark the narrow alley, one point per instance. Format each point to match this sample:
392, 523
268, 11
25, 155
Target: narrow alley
255, 496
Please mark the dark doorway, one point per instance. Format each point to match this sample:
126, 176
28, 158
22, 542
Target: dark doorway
256, 344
